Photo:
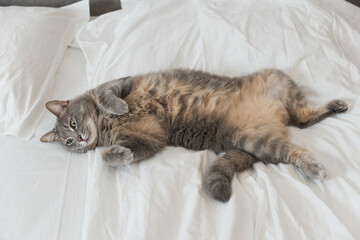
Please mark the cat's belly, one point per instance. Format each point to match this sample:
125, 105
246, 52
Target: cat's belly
253, 112
217, 129
201, 133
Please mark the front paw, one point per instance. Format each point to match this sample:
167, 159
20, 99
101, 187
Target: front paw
338, 106
118, 155
113, 104
119, 107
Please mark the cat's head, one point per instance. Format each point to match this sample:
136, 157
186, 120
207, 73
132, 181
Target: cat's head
75, 127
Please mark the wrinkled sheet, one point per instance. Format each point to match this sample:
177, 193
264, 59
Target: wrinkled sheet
49, 193
315, 42
42, 186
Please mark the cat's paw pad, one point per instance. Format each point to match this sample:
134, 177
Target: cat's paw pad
315, 170
118, 155
219, 188
338, 106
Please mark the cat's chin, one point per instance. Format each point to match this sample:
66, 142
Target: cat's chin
91, 142
91, 138
81, 150
83, 147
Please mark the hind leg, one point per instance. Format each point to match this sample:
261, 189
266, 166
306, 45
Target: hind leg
305, 161
219, 176
302, 115
270, 148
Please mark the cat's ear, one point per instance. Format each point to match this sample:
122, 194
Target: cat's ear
51, 136
57, 107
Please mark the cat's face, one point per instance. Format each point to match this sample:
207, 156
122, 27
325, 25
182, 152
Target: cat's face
75, 127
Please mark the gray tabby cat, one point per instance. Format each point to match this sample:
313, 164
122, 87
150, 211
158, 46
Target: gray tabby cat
245, 117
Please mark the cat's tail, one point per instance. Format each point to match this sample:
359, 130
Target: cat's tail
219, 176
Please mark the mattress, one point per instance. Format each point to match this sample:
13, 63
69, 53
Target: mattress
49, 193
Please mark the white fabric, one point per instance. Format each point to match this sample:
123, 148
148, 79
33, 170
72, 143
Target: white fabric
316, 42
49, 193
42, 186
32, 43
125, 4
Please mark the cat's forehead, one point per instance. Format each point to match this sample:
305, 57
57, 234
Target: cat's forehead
78, 105
63, 121
75, 109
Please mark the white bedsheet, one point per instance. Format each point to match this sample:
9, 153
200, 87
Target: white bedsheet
315, 42
49, 193
42, 186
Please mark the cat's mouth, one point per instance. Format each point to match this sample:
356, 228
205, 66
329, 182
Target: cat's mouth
88, 138
84, 136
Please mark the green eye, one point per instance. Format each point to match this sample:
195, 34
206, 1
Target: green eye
73, 123
69, 141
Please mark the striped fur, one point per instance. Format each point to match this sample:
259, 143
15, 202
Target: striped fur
245, 117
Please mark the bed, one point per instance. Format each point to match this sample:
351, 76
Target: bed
49, 193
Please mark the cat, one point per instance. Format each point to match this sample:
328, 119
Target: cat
244, 117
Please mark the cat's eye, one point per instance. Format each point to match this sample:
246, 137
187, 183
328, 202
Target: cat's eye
69, 141
73, 123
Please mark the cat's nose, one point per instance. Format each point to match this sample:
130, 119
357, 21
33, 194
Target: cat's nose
80, 139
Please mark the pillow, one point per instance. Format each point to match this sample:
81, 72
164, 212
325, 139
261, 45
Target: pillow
32, 43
